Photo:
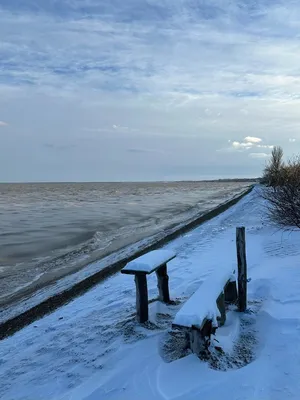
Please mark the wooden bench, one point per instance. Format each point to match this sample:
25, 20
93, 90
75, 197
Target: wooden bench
155, 260
205, 310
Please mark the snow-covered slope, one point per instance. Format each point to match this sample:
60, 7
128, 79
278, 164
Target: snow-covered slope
93, 349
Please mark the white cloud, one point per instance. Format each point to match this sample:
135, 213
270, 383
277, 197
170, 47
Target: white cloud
258, 155
138, 150
242, 145
292, 140
249, 143
265, 146
252, 139
2, 123
120, 128
148, 57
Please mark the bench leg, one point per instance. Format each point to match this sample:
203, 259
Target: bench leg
196, 342
231, 294
199, 338
163, 284
221, 307
141, 297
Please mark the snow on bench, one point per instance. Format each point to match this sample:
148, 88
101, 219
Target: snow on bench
155, 260
149, 262
202, 304
202, 311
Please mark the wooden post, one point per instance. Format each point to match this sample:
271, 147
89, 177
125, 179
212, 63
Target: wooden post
221, 307
231, 294
242, 268
163, 284
141, 297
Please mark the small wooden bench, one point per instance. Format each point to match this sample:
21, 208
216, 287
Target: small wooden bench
204, 311
155, 260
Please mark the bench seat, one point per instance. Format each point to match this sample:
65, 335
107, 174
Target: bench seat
202, 304
204, 311
149, 262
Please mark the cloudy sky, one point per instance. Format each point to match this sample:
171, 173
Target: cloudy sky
108, 90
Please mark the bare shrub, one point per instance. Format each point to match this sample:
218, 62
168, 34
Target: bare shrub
283, 199
272, 175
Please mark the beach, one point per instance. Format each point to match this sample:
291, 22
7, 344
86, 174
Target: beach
56, 235
93, 347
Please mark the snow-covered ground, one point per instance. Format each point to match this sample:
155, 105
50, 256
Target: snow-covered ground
93, 349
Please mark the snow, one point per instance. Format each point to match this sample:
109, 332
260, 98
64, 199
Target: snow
228, 334
93, 349
149, 262
202, 304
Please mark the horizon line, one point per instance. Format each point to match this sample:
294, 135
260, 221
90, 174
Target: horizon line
133, 181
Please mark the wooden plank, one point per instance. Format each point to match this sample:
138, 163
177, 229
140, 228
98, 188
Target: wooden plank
141, 297
242, 268
163, 284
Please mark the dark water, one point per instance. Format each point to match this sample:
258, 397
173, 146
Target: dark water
50, 230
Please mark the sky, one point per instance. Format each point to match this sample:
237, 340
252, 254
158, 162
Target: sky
136, 90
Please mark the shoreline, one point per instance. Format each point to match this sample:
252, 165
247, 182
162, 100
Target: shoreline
16, 323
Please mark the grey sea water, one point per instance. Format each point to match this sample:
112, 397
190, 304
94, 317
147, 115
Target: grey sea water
50, 230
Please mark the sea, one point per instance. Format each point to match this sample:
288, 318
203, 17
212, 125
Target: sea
50, 230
